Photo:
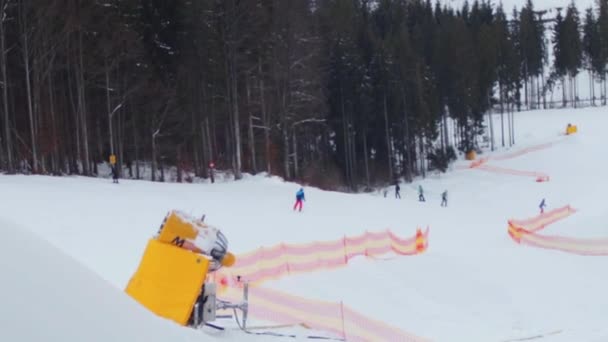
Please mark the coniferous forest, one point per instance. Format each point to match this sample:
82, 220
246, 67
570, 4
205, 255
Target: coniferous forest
342, 94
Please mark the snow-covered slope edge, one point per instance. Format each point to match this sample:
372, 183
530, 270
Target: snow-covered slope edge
46, 295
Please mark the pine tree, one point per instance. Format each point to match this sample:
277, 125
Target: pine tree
592, 51
603, 38
532, 47
559, 52
572, 50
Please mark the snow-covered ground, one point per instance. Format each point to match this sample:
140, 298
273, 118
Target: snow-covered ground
473, 284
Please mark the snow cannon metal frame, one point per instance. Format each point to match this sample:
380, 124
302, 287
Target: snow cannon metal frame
205, 309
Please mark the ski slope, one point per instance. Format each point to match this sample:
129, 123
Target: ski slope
72, 243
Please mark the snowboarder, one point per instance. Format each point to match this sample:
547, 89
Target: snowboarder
299, 199
542, 206
397, 191
421, 194
114, 174
444, 199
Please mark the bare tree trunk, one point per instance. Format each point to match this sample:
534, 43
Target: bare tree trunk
83, 108
154, 156
136, 147
366, 158
592, 87
10, 166
538, 92
564, 97
296, 172
76, 111
542, 75
209, 141
55, 157
526, 88
422, 165
576, 98
502, 114
236, 123
605, 88
28, 87
265, 118
121, 143
109, 107
254, 166
353, 151
445, 130
407, 137
490, 117
513, 127
389, 150
346, 141
195, 128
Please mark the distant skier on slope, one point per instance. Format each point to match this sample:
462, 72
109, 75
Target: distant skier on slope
114, 171
444, 199
421, 194
397, 191
542, 206
299, 199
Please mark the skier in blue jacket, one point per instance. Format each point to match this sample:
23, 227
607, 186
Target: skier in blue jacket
542, 206
299, 199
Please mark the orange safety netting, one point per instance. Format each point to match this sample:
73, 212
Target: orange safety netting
527, 232
286, 259
335, 318
481, 164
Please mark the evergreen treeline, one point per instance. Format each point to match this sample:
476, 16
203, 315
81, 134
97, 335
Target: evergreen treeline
332, 92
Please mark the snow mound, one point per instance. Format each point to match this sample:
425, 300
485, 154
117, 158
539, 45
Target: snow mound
48, 296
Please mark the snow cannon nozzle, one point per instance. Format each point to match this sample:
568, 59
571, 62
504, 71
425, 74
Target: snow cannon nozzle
228, 260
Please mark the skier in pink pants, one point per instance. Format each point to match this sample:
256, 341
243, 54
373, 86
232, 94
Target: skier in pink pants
299, 199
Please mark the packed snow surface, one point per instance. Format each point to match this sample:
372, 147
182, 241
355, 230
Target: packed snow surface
70, 245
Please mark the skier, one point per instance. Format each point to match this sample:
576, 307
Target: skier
444, 199
542, 206
421, 194
299, 199
114, 174
212, 172
397, 191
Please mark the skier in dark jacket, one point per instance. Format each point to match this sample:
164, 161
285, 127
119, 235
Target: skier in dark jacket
542, 206
444, 199
114, 174
397, 191
299, 199
421, 194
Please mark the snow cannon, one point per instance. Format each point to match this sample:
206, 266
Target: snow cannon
571, 129
170, 279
